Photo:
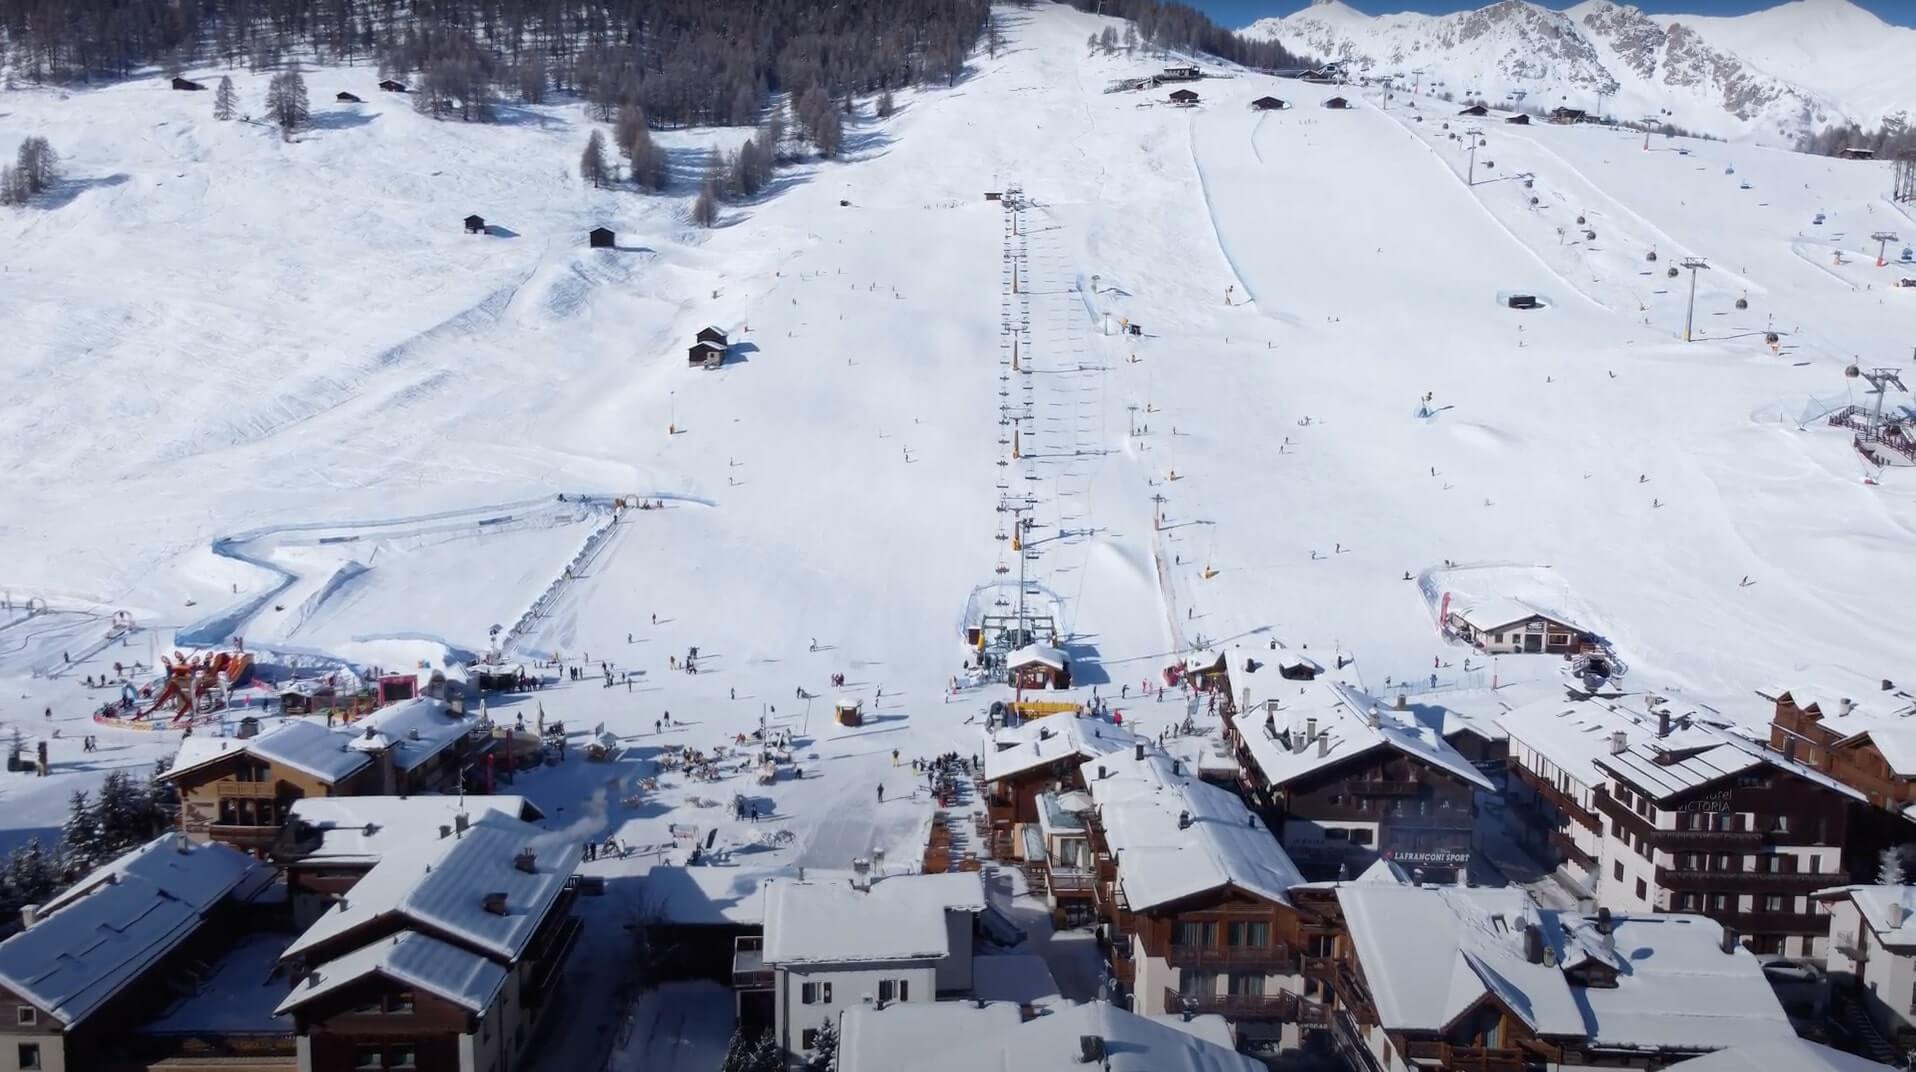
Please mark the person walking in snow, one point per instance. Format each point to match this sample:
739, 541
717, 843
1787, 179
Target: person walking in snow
881, 791
894, 757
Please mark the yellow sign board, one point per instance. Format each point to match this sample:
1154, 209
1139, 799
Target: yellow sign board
1041, 708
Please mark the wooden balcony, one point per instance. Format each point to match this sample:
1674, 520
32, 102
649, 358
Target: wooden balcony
748, 964
1567, 845
1557, 799
1773, 922
1383, 787
1745, 881
1708, 840
1274, 959
1066, 882
1466, 1058
250, 790
243, 836
1283, 1005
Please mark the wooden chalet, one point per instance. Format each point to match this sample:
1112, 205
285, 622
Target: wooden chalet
1337, 102
106, 955
456, 946
708, 349
1031, 777
1451, 979
1195, 893
1039, 666
1268, 104
186, 84
1521, 119
1183, 98
344, 97
1345, 782
600, 238
1569, 115
391, 86
1869, 746
1853, 152
1477, 110
1512, 627
241, 791
1181, 73
475, 224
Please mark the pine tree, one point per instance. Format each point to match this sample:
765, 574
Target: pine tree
38, 165
705, 207
224, 99
767, 1055
30, 878
825, 1047
80, 837
1891, 868
886, 105
592, 162
286, 102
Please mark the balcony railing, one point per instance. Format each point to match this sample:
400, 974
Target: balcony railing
1466, 1058
1558, 799
1567, 845
1276, 959
1707, 840
249, 834
1067, 880
252, 790
748, 964
1730, 881
1383, 787
1282, 1005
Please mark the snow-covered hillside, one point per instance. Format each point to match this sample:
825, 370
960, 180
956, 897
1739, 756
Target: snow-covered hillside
1766, 77
274, 389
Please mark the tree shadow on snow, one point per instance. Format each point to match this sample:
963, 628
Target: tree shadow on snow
513, 115
340, 119
64, 191
1086, 669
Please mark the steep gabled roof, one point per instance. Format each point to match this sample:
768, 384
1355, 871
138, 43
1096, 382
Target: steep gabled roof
460, 976
1277, 732
898, 918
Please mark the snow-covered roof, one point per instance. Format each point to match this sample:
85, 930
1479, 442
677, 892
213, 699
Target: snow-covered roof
898, 918
996, 1038
1307, 726
1020, 978
1388, 872
1781, 1055
1490, 615
1676, 988
197, 751
1898, 747
309, 747
419, 729
704, 896
1430, 953
1141, 803
409, 958
1037, 655
1874, 902
1573, 734
1696, 756
365, 829
442, 885
1038, 742
117, 923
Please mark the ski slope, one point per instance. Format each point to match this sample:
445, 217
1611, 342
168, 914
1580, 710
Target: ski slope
217, 335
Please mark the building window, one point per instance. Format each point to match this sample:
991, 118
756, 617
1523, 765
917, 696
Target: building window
885, 989
1247, 984
1816, 865
1198, 934
1254, 935
1689, 902
1197, 984
1720, 902
1643, 892
1772, 902
815, 994
1360, 837
26, 1015
400, 1002
367, 1058
893, 989
1782, 824
401, 1059
29, 1056
1616, 868
808, 1038
1335, 833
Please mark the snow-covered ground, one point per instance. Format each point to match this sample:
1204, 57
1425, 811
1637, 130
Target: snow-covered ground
218, 338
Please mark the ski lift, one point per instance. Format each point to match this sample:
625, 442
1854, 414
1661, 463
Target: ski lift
1672, 273
1590, 236
1731, 170
1650, 256
1533, 201
1744, 185
1819, 219
1909, 254
1742, 303
1580, 221
1771, 338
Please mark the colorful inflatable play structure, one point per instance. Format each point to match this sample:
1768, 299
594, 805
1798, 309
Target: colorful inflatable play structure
190, 680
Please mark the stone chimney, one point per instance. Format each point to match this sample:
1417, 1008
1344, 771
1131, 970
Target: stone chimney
526, 861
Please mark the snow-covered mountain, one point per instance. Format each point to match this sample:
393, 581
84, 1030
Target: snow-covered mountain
1765, 77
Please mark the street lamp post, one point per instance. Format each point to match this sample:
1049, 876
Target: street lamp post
1694, 264
1476, 136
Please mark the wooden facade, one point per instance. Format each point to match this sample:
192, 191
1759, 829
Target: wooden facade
242, 800
1800, 732
1379, 804
378, 1024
